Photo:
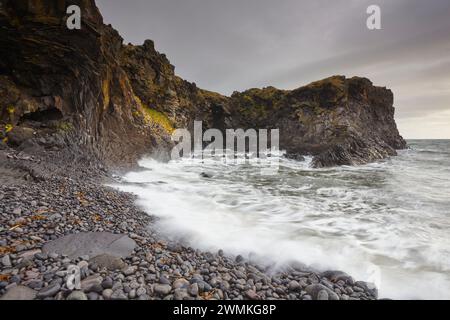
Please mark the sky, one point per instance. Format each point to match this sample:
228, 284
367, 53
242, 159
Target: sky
234, 45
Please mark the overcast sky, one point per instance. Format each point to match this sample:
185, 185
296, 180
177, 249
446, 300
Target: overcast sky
228, 45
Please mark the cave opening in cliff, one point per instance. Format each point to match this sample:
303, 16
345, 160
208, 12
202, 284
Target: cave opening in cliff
42, 116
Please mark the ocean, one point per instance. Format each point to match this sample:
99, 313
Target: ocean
387, 222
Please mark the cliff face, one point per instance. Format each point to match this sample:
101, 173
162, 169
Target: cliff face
340, 121
86, 92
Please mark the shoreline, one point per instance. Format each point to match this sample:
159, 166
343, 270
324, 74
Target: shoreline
40, 211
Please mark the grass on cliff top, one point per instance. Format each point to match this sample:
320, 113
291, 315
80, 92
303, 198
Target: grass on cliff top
335, 81
211, 96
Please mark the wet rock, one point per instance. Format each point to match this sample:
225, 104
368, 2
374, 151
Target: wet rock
295, 156
368, 287
206, 175
294, 286
336, 276
314, 290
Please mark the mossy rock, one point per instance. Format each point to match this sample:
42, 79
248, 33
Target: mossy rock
19, 135
154, 116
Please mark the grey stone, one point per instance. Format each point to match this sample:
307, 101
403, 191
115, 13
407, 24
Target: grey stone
164, 280
252, 295
128, 271
107, 283
322, 295
335, 276
368, 287
294, 286
180, 294
6, 261
36, 284
77, 295
55, 216
19, 293
109, 262
141, 291
53, 255
93, 296
91, 244
314, 289
180, 283
41, 256
91, 282
107, 293
193, 289
49, 291
162, 289
118, 295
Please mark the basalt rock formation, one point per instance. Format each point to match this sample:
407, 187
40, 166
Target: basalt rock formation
87, 93
337, 120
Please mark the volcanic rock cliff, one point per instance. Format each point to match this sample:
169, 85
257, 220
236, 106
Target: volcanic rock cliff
87, 93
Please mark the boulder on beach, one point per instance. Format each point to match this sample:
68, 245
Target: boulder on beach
19, 293
91, 244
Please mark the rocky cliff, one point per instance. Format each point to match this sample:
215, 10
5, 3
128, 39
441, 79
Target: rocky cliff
87, 93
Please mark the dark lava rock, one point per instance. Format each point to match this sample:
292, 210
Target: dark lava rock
49, 291
316, 291
294, 156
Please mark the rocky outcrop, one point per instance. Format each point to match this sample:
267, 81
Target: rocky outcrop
337, 120
85, 92
68, 85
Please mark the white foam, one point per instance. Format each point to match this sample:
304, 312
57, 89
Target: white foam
353, 219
